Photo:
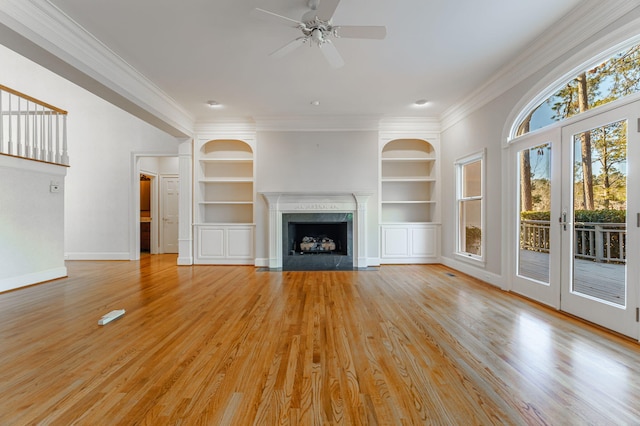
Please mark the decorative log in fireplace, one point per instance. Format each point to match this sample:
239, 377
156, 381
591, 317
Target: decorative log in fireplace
320, 244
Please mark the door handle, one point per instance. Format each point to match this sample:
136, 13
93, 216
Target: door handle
563, 220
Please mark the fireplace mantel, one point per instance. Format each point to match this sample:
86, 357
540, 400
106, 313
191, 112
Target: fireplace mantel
319, 202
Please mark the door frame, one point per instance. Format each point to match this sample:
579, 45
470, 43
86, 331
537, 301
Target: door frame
134, 199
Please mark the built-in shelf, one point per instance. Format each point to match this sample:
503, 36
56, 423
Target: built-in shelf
408, 201
224, 201
226, 179
407, 181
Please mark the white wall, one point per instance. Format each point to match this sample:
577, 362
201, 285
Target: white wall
481, 130
160, 165
31, 222
331, 161
101, 138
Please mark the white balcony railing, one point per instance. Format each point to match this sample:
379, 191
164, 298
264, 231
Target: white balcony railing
32, 129
601, 242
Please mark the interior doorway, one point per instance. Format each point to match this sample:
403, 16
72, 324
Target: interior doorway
146, 214
150, 204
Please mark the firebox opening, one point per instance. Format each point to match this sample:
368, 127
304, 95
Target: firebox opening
317, 241
318, 238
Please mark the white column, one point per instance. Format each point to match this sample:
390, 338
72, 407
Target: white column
275, 230
361, 228
185, 215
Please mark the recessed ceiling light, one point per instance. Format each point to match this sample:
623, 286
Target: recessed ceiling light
214, 104
315, 103
421, 102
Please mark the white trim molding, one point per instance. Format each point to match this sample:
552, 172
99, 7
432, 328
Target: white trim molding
12, 283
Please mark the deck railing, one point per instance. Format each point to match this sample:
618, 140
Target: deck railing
30, 128
601, 242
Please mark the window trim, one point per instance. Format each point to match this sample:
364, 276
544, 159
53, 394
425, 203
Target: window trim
458, 170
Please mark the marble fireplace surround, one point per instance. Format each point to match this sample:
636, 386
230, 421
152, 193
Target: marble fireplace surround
325, 202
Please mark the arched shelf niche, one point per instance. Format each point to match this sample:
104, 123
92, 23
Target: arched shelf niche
226, 182
409, 232
408, 181
224, 202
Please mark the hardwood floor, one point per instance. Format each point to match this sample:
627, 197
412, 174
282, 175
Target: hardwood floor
217, 345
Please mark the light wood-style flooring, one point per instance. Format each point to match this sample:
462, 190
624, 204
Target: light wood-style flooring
212, 345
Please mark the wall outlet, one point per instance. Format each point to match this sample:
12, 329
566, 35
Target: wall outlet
54, 187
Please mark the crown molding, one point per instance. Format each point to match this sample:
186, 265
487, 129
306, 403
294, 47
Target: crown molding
49, 28
225, 128
411, 125
575, 28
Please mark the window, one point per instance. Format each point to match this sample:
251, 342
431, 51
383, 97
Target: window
470, 206
612, 79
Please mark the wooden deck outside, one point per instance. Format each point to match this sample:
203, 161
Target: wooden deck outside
605, 281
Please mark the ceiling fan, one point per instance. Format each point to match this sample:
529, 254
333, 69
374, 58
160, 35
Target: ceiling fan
317, 28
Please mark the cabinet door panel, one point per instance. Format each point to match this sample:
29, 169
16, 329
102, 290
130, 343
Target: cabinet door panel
395, 242
211, 243
240, 242
423, 242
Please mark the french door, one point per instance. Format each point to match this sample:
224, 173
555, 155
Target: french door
537, 263
599, 231
574, 258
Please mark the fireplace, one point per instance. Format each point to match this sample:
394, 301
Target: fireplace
330, 210
317, 241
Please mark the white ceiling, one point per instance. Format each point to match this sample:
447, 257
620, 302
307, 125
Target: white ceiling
199, 50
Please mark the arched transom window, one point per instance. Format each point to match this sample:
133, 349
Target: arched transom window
605, 82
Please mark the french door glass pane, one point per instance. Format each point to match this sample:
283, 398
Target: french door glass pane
535, 206
600, 205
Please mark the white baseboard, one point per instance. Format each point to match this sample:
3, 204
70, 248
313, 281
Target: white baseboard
185, 261
98, 256
11, 283
373, 261
481, 274
409, 260
262, 262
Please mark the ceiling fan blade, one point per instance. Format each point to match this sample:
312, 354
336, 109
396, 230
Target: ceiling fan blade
289, 47
326, 9
331, 54
370, 32
270, 16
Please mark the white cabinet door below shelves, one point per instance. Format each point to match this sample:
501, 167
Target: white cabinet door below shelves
211, 243
410, 243
224, 244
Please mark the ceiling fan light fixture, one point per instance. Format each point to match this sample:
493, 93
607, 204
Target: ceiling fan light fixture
317, 36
